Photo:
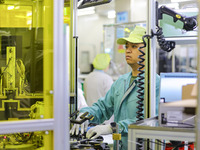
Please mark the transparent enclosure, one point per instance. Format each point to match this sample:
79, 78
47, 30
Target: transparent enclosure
117, 52
26, 68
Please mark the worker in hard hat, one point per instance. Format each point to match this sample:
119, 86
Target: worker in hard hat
98, 82
121, 99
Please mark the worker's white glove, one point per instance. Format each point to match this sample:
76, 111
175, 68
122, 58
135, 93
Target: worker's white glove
99, 130
75, 128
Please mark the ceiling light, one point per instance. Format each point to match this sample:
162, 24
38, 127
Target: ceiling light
111, 14
86, 11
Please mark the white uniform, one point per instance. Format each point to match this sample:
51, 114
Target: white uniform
81, 100
96, 85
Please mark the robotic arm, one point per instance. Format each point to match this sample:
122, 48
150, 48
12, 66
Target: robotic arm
190, 23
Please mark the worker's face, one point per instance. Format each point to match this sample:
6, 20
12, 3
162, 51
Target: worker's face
132, 53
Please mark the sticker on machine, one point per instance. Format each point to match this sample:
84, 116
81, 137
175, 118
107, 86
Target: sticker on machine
174, 115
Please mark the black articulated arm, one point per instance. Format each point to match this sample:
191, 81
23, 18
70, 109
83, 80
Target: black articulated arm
90, 3
190, 23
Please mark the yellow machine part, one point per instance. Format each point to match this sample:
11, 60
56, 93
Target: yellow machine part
116, 136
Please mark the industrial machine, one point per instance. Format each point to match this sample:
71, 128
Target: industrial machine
80, 141
17, 102
21, 73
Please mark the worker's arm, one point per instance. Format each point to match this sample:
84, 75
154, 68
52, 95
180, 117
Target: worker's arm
103, 109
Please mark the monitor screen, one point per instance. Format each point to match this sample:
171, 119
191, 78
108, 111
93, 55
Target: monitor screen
171, 85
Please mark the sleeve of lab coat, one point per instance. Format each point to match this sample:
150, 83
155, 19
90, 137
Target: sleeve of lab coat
103, 109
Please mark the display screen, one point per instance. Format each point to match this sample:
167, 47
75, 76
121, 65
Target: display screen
171, 85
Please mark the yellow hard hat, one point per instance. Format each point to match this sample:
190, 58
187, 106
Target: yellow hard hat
134, 37
101, 61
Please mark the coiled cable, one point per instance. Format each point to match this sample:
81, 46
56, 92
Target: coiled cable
164, 45
140, 85
140, 82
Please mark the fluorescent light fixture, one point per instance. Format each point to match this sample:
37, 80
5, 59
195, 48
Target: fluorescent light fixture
10, 7
108, 50
111, 14
86, 11
176, 1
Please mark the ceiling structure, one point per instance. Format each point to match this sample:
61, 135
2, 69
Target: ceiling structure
174, 4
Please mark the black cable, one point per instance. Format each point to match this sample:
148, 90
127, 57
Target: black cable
140, 82
140, 85
164, 45
161, 142
157, 143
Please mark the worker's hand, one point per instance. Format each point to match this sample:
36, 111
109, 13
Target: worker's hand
99, 130
75, 128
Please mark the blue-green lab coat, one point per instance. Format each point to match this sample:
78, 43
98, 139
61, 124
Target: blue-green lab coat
124, 110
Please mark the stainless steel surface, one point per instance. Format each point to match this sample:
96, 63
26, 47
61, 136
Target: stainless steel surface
152, 59
61, 80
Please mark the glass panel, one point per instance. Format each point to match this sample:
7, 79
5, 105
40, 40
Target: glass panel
26, 56
16, 16
117, 52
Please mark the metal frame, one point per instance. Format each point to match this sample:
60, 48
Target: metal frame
26, 126
158, 134
61, 81
198, 91
151, 24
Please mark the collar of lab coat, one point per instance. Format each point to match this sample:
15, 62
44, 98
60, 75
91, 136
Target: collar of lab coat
127, 79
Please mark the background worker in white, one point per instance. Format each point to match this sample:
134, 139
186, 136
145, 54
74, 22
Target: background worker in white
81, 100
97, 83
